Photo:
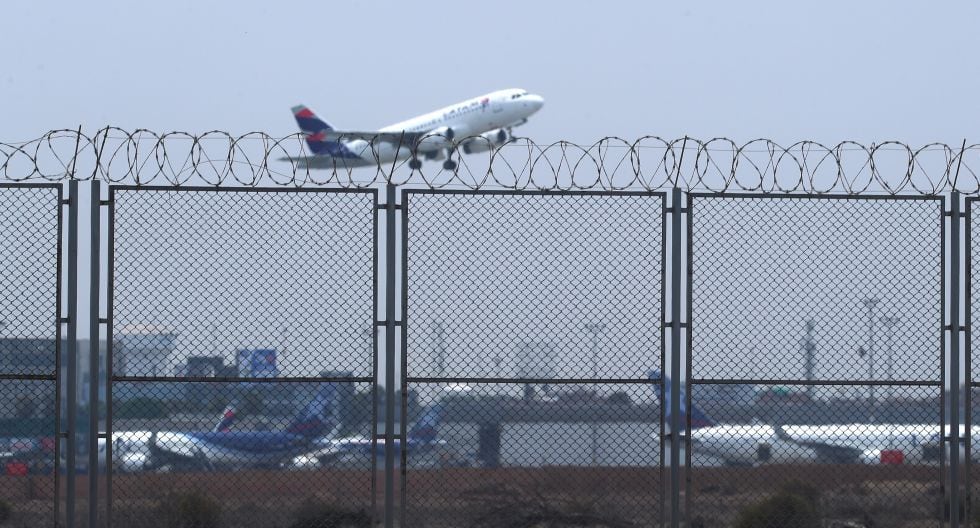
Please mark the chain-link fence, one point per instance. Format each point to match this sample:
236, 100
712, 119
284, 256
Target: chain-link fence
242, 342
550, 351
533, 323
30, 348
818, 323
971, 374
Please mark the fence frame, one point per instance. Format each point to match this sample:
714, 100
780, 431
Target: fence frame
674, 213
967, 331
407, 379
109, 321
63, 209
943, 328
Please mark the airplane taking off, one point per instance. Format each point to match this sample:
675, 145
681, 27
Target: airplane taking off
757, 444
223, 446
474, 125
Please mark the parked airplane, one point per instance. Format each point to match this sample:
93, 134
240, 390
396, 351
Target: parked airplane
474, 125
425, 448
756, 444
223, 446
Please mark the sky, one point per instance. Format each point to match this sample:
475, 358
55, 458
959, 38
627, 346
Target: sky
823, 70
827, 71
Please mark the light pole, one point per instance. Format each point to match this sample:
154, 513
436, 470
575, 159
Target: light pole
870, 303
809, 350
368, 334
890, 322
595, 329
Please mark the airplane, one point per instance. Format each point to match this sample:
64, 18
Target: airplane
856, 443
223, 446
425, 448
474, 125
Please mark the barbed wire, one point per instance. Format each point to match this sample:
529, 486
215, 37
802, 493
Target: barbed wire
651, 163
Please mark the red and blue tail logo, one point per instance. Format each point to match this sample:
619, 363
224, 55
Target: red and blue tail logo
228, 418
308, 122
315, 131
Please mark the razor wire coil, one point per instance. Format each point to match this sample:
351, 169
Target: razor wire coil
651, 163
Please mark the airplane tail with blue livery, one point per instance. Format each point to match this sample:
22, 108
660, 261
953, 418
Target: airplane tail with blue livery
226, 446
319, 417
228, 418
426, 428
315, 132
699, 419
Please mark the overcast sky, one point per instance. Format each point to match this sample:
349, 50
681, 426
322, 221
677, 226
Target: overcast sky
825, 70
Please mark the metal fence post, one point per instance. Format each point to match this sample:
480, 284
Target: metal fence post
93, 365
954, 367
71, 381
110, 241
390, 207
968, 382
675, 357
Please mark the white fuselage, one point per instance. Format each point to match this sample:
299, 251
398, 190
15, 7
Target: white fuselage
499, 109
484, 115
760, 444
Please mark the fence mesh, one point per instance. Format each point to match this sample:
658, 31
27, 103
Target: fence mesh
538, 294
534, 285
865, 274
817, 290
584, 455
243, 351
244, 381
168, 448
30, 241
214, 273
784, 460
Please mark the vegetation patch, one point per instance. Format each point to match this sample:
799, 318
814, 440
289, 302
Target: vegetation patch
191, 509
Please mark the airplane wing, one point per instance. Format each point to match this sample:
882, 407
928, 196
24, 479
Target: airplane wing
396, 138
827, 451
178, 444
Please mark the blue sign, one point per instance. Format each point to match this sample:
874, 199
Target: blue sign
258, 363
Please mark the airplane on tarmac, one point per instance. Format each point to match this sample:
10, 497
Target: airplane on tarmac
224, 447
474, 125
425, 448
857, 443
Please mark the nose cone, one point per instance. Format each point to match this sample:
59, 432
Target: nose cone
534, 101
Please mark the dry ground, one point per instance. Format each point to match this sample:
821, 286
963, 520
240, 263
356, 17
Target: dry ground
903, 497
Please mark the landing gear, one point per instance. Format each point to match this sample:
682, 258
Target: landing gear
415, 164
449, 164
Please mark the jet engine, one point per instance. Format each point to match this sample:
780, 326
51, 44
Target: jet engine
485, 141
438, 138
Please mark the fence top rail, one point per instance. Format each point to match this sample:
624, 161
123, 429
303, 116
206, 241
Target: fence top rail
650, 163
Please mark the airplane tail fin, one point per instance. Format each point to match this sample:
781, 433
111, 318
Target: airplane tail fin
228, 418
426, 428
319, 417
699, 419
315, 131
308, 121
